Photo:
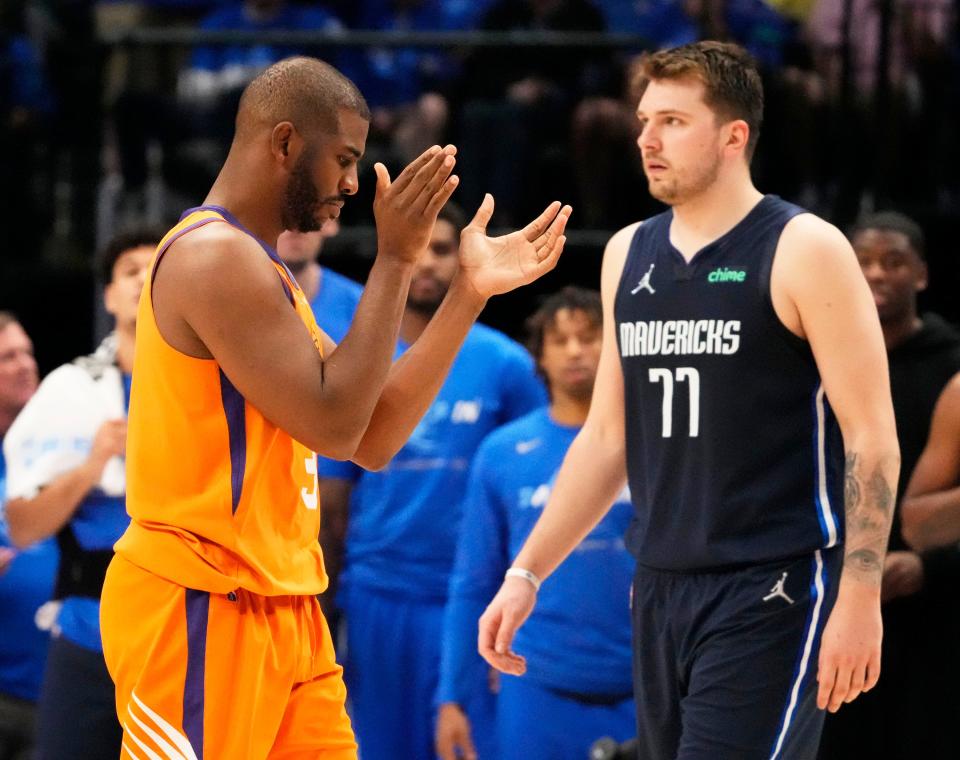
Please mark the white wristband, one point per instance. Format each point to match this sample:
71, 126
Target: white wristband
521, 572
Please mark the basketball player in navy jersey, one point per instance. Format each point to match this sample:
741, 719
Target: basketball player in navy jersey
740, 341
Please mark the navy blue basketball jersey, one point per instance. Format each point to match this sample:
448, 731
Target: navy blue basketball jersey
733, 454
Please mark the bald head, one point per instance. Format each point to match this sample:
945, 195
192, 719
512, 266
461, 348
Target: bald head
304, 91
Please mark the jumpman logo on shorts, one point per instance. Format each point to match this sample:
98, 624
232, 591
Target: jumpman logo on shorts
644, 283
777, 590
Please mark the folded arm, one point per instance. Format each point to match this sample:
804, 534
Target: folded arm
930, 514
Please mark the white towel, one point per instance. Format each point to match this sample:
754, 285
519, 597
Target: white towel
54, 433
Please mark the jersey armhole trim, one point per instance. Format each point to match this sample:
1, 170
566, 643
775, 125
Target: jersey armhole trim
153, 273
765, 282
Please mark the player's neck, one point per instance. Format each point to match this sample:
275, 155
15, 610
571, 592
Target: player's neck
898, 331
125, 344
7, 416
412, 324
230, 190
567, 410
311, 280
714, 212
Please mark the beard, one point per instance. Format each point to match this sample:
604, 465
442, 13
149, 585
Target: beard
425, 305
677, 191
427, 301
301, 198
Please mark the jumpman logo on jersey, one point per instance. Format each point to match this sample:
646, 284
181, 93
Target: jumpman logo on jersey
777, 590
644, 283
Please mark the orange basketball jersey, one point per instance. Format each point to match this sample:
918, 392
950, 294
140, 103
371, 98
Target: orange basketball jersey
220, 498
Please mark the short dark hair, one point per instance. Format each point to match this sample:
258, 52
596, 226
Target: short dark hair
305, 91
893, 221
734, 89
8, 318
452, 213
571, 298
123, 241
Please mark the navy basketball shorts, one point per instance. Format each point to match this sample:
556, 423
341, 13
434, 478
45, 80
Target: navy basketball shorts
725, 663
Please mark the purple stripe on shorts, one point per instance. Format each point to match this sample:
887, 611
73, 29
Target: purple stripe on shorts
235, 411
198, 608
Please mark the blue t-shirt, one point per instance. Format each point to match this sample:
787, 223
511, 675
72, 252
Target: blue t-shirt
98, 523
392, 76
252, 58
578, 637
335, 303
761, 29
404, 519
26, 585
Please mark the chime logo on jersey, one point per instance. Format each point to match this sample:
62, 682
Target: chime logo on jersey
679, 337
723, 274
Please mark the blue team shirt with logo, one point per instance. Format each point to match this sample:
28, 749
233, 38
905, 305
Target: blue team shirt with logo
578, 637
404, 519
26, 585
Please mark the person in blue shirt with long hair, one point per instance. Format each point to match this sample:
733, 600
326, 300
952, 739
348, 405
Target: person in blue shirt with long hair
578, 682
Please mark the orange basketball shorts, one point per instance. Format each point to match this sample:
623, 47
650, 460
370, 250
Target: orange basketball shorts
222, 677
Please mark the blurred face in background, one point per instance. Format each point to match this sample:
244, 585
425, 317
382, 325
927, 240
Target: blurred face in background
894, 271
435, 270
300, 249
122, 295
571, 353
18, 368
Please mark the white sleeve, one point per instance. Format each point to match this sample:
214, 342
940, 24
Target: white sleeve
53, 433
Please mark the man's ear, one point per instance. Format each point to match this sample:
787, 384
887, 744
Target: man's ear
285, 142
738, 135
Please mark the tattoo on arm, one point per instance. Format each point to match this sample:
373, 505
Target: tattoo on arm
869, 502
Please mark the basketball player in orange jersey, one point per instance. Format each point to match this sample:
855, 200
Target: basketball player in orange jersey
211, 629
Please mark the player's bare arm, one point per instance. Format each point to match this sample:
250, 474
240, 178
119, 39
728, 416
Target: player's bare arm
930, 512
593, 473
488, 267
820, 294
216, 295
31, 520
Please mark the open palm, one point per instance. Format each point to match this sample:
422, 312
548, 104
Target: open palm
495, 265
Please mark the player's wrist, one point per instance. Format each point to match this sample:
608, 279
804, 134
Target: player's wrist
527, 575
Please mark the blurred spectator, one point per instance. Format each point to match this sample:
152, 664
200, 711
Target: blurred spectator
65, 477
27, 576
611, 186
332, 296
334, 300
26, 108
916, 27
931, 509
914, 700
577, 687
756, 25
406, 87
195, 128
514, 126
890, 94
218, 72
403, 520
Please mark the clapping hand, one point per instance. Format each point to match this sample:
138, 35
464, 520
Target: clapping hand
494, 265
